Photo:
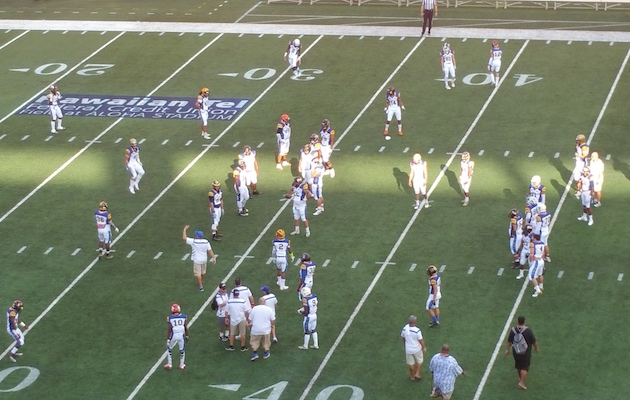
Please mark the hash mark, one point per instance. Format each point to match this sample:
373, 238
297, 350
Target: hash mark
158, 255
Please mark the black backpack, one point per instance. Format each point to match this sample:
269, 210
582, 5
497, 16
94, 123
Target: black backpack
214, 305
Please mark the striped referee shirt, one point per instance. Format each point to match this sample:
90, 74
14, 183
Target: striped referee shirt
428, 4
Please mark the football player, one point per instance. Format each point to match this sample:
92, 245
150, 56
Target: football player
104, 224
516, 234
467, 167
448, 65
494, 64
56, 116
280, 249
581, 159
293, 54
586, 188
538, 251
317, 187
327, 139
418, 179
177, 335
251, 168
240, 187
309, 310
299, 193
393, 105
133, 165
307, 274
523, 249
433, 301
215, 199
14, 323
304, 165
283, 138
531, 210
316, 146
203, 105
541, 226
597, 171
536, 189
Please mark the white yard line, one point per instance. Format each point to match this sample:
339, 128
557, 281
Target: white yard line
14, 39
249, 249
402, 236
247, 13
567, 189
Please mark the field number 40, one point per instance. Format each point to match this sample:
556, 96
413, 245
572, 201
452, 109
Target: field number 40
274, 392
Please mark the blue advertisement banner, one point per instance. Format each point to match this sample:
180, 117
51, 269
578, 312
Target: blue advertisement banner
86, 105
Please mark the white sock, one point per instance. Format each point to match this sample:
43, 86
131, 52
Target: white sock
399, 127
169, 357
59, 123
315, 339
307, 229
307, 337
52, 125
297, 229
182, 359
540, 285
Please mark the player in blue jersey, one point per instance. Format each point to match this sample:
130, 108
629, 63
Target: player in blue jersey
14, 323
104, 224
393, 106
307, 273
309, 311
435, 294
280, 251
177, 335
537, 190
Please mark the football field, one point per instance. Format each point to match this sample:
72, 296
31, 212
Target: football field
97, 328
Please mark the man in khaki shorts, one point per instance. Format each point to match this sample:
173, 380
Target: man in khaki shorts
413, 344
200, 250
261, 321
237, 316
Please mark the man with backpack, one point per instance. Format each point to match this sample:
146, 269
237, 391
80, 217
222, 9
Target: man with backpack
521, 340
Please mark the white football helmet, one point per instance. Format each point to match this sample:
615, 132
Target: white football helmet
542, 208
532, 201
296, 42
305, 291
536, 180
446, 48
417, 158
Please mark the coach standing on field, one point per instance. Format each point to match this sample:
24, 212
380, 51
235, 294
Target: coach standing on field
427, 10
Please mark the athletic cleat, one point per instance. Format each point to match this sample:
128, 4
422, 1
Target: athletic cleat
314, 347
109, 256
520, 276
302, 347
275, 340
100, 254
229, 348
244, 348
426, 204
416, 206
205, 135
447, 87
536, 294
243, 213
577, 195
434, 324
53, 131
547, 259
286, 164
131, 190
465, 202
61, 128
266, 355
453, 84
201, 289
318, 211
284, 287
182, 366
256, 192
400, 133
168, 367
582, 218
216, 238
279, 167
590, 222
308, 233
295, 233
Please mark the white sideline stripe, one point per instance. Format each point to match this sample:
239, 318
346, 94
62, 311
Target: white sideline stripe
567, 188
313, 30
135, 220
14, 39
402, 236
377, 93
28, 196
249, 249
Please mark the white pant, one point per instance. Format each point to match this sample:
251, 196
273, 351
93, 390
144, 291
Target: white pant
432, 304
299, 211
55, 112
283, 146
317, 190
464, 181
242, 195
293, 60
326, 152
449, 69
105, 235
216, 217
393, 110
515, 243
282, 263
586, 198
135, 170
17, 335
419, 186
204, 117
251, 177
536, 269
177, 338
310, 323
495, 66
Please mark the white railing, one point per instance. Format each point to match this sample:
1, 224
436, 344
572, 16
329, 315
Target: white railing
572, 4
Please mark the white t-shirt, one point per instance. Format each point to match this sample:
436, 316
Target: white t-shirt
200, 249
221, 298
245, 294
412, 336
236, 310
260, 318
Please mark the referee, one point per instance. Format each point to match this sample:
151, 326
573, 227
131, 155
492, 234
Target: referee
426, 11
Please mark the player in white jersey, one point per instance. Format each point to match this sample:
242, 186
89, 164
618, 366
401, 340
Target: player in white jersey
516, 234
203, 105
467, 167
283, 138
215, 199
327, 140
177, 335
538, 251
307, 273
531, 210
300, 192
537, 190
104, 224
251, 168
240, 188
418, 179
304, 165
586, 188
435, 294
294, 56
448, 65
133, 165
270, 301
56, 116
581, 159
393, 106
317, 184
523, 250
597, 171
541, 226
494, 64
14, 323
309, 311
280, 252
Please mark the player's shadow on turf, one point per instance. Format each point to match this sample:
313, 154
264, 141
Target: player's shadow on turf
564, 172
452, 180
402, 180
294, 167
621, 167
